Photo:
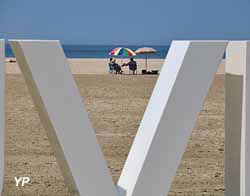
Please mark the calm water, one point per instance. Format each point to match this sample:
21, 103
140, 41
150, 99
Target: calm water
98, 51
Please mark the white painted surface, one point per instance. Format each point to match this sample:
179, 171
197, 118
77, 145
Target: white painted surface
170, 116
245, 142
237, 127
62, 112
235, 60
235, 73
2, 112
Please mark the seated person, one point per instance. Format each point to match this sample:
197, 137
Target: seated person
132, 66
117, 67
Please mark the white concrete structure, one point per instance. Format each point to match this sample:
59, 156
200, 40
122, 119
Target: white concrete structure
168, 121
245, 153
162, 136
234, 77
2, 111
63, 115
237, 127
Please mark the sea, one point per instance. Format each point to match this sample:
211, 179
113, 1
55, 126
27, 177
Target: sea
102, 51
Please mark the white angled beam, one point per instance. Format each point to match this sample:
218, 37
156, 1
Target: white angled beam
2, 111
234, 74
170, 116
63, 115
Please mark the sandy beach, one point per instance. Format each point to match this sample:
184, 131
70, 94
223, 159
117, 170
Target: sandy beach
100, 66
116, 104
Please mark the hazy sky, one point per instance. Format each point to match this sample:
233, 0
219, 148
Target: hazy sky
124, 21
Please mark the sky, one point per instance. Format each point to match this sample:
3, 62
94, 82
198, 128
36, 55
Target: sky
130, 22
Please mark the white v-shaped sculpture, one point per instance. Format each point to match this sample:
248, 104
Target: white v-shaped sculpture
168, 121
2, 111
162, 136
64, 117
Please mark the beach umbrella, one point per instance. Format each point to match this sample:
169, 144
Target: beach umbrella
122, 52
146, 51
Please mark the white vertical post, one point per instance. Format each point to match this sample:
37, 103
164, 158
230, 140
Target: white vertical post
234, 77
245, 141
64, 117
170, 116
2, 111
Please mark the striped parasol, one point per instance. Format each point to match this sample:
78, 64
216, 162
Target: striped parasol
124, 52
146, 51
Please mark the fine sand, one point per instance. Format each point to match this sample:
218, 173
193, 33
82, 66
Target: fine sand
100, 66
116, 104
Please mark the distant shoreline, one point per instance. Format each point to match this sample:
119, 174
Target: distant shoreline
99, 66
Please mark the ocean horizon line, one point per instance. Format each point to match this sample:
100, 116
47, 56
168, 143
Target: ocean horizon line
100, 51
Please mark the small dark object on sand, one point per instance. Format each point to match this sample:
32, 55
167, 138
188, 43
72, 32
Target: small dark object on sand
12, 61
153, 72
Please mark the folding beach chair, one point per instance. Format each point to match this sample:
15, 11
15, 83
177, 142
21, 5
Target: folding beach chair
111, 68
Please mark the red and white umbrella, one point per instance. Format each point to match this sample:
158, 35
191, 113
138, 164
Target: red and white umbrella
146, 51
